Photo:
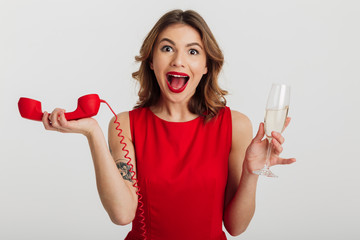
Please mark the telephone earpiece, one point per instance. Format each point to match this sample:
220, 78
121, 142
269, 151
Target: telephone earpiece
88, 106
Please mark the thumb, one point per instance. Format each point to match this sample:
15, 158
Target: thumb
261, 132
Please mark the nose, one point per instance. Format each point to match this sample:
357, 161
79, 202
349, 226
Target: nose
178, 60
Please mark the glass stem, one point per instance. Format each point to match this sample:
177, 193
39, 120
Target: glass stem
268, 154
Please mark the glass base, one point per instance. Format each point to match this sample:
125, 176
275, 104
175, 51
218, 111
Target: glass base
265, 172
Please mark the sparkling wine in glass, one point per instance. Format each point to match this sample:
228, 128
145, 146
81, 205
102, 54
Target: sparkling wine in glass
277, 108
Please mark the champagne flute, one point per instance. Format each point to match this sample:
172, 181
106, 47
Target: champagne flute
277, 108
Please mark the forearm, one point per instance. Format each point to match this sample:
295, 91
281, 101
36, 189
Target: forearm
117, 196
241, 208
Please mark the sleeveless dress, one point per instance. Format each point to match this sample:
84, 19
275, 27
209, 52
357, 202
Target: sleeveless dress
182, 170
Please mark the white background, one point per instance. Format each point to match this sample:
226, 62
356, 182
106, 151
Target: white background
57, 51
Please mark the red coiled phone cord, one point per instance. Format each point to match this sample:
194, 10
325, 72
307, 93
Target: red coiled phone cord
141, 204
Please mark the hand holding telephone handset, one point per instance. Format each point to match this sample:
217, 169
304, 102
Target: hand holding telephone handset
88, 106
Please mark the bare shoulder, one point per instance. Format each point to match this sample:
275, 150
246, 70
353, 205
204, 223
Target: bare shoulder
121, 117
121, 121
241, 124
242, 134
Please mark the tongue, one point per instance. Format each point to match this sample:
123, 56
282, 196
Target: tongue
177, 82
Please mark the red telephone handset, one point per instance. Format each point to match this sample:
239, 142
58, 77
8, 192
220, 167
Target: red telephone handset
88, 106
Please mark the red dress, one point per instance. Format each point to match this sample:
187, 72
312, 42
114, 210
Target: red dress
182, 170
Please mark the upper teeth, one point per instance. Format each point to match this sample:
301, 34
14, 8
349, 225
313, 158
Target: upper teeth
176, 75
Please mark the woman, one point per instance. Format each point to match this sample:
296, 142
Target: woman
192, 155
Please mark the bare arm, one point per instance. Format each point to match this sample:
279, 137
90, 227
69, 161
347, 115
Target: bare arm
113, 176
241, 186
247, 155
116, 192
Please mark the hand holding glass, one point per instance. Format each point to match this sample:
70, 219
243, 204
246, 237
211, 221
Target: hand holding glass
277, 108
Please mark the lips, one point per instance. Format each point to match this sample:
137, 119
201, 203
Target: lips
177, 81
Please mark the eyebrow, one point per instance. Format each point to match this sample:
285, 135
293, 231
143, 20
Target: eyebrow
187, 45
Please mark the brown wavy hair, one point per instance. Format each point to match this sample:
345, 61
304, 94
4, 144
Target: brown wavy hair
209, 97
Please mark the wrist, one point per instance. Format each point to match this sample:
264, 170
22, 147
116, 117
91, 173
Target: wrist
92, 131
250, 175
247, 172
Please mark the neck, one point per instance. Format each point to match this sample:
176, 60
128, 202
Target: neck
172, 111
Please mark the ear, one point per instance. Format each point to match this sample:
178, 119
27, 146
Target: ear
151, 65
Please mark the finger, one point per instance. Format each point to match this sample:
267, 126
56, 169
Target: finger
278, 137
287, 122
62, 118
277, 146
54, 118
260, 133
285, 161
63, 122
46, 122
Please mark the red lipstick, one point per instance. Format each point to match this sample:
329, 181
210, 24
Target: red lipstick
177, 81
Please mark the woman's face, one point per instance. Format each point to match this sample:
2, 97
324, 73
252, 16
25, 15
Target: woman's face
179, 62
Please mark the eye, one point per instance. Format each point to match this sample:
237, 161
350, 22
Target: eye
193, 52
166, 49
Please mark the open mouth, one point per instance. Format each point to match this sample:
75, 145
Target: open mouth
177, 82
